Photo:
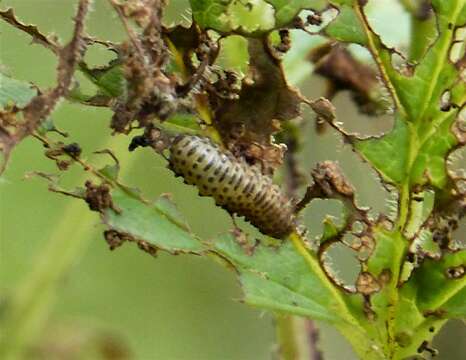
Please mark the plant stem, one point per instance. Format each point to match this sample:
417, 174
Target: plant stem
294, 340
288, 346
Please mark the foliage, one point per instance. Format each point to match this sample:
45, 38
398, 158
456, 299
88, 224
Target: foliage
167, 80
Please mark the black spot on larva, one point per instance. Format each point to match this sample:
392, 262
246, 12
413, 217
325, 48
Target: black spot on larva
209, 165
192, 150
233, 184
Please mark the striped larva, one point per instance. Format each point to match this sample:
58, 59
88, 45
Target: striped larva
236, 186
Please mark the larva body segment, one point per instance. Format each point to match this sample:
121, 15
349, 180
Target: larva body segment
236, 186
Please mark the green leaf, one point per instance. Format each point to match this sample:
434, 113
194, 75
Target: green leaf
281, 280
420, 209
420, 93
110, 79
159, 224
109, 82
436, 289
226, 16
287, 10
437, 141
415, 152
389, 249
181, 123
346, 27
15, 92
331, 230
389, 153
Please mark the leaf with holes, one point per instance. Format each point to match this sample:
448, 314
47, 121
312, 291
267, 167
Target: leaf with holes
263, 15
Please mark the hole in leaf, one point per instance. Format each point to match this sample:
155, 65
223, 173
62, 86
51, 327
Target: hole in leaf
341, 265
251, 15
316, 211
461, 121
358, 227
233, 53
458, 48
362, 245
445, 101
447, 342
400, 63
314, 21
455, 272
455, 164
382, 15
458, 236
353, 121
295, 61
459, 127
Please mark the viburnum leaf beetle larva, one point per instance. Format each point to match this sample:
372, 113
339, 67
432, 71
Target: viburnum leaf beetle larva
235, 185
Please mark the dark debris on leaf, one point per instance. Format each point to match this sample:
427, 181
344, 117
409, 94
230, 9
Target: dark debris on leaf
98, 197
265, 100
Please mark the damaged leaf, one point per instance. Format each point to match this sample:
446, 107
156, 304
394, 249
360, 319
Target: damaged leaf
15, 92
158, 224
222, 16
281, 280
438, 287
247, 123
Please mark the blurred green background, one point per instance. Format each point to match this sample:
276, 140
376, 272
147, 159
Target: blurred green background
168, 307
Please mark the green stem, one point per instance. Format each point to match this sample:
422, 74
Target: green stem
422, 34
297, 338
33, 300
287, 339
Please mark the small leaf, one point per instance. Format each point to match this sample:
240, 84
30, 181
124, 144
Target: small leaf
181, 123
157, 224
287, 10
15, 92
331, 230
420, 209
346, 27
109, 79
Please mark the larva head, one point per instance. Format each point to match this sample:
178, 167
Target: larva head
235, 185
